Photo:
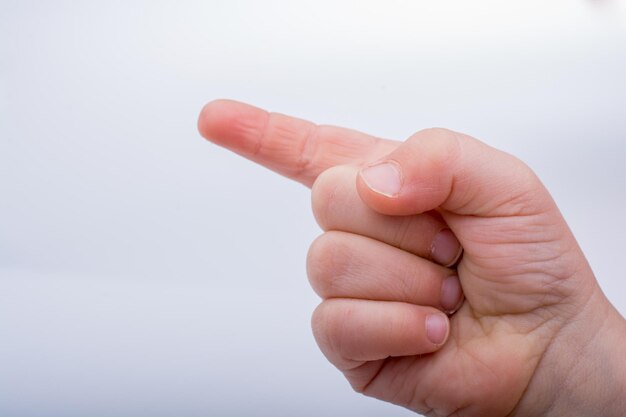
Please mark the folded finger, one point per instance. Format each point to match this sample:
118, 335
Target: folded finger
351, 332
338, 206
345, 265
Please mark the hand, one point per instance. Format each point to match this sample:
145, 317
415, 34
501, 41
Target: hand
535, 336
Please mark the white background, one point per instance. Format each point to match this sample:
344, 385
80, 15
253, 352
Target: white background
146, 272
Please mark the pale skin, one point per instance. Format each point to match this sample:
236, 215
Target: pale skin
533, 334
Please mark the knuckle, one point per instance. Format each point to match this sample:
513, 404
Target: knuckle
318, 321
443, 145
436, 135
321, 191
322, 323
322, 264
326, 196
439, 133
329, 322
526, 193
527, 175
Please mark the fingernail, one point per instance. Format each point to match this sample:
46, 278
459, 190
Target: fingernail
384, 178
436, 328
451, 294
446, 248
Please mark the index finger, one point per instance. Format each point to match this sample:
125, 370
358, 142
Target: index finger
295, 148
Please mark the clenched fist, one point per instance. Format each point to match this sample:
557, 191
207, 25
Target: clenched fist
451, 284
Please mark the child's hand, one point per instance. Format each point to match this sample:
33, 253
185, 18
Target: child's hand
535, 334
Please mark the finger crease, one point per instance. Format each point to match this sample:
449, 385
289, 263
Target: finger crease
263, 133
307, 151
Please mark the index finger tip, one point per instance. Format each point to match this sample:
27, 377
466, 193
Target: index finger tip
211, 117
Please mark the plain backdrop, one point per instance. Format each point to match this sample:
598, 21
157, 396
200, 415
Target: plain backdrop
146, 272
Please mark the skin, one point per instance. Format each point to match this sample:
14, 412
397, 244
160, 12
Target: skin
534, 335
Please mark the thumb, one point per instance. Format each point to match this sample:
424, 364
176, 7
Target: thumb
442, 169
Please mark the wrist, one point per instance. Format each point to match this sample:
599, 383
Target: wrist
582, 372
